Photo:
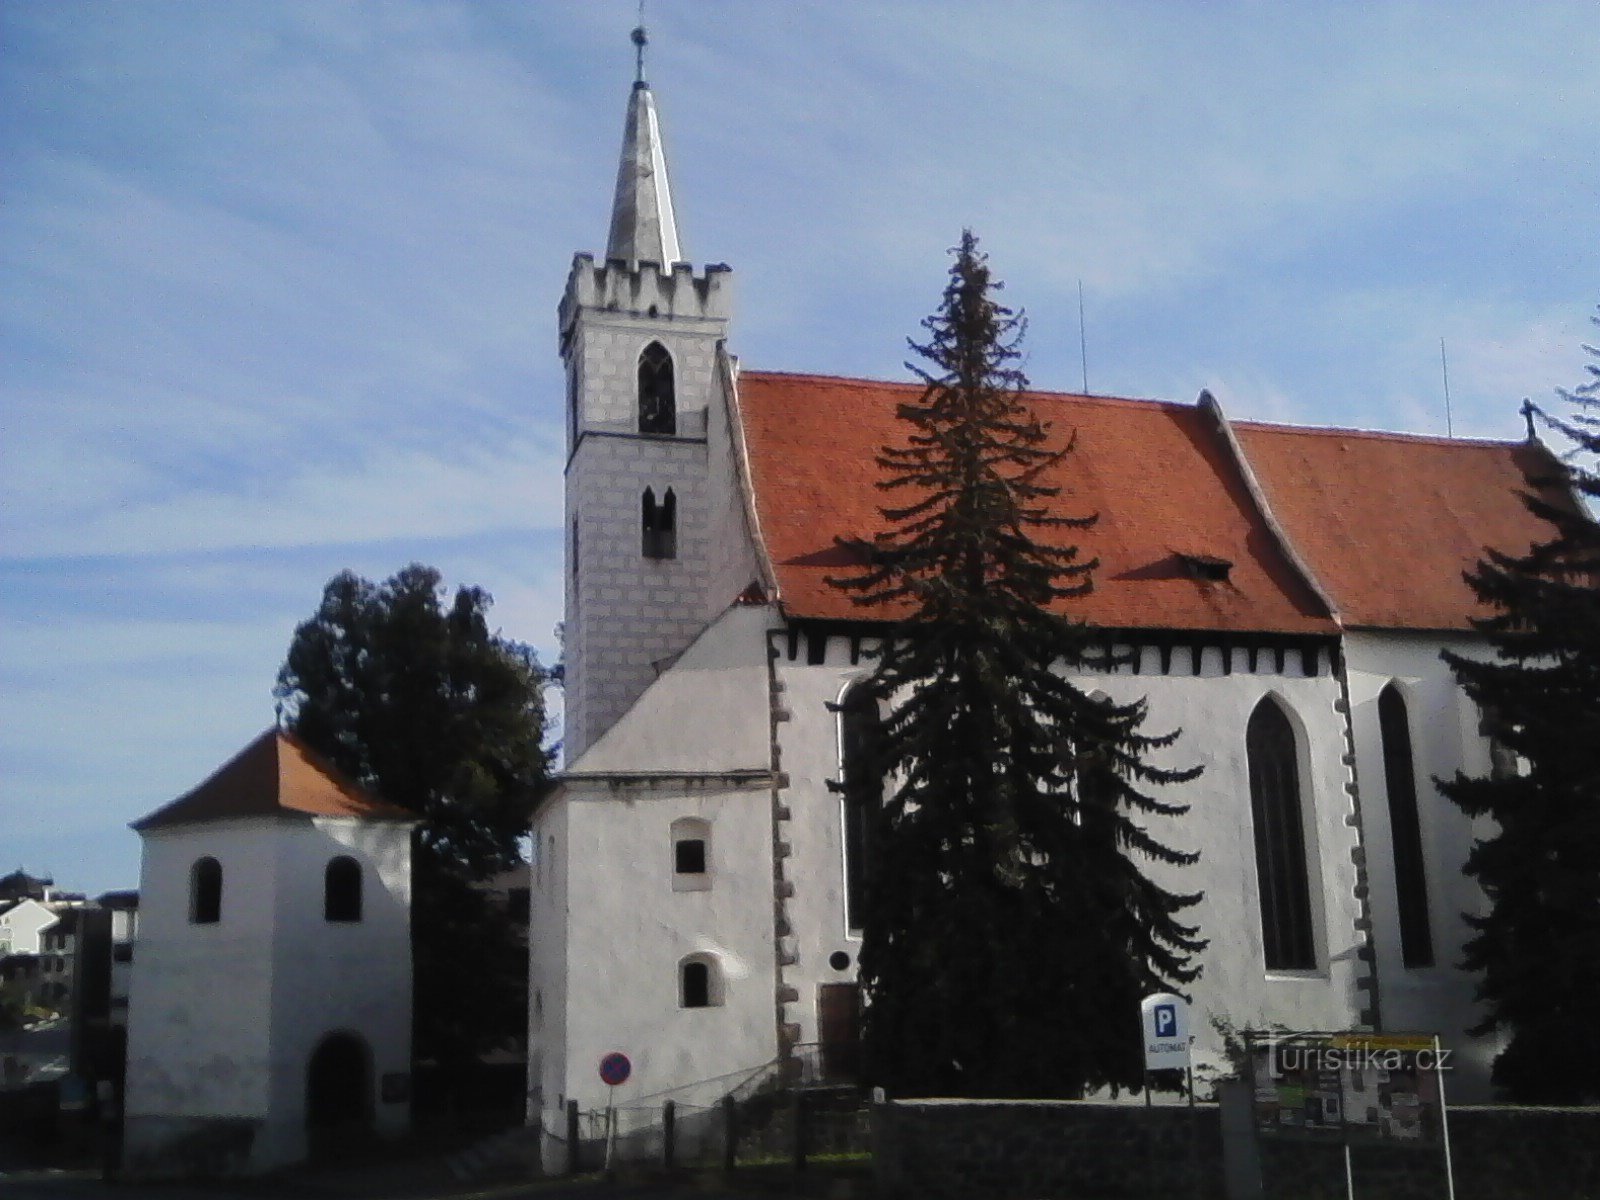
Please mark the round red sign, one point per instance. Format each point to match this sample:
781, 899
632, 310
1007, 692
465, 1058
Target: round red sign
615, 1068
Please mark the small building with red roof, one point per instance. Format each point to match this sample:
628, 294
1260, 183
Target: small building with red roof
270, 1001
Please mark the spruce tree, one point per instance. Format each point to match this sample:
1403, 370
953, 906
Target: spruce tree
1538, 947
1010, 934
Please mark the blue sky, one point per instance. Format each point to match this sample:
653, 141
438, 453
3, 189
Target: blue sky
278, 281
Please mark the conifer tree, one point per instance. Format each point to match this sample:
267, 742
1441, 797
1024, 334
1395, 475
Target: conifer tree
1538, 947
1010, 934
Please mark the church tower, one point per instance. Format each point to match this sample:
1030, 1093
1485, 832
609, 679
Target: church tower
642, 341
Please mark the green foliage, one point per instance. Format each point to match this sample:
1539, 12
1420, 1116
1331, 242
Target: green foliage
419, 701
1010, 934
1538, 949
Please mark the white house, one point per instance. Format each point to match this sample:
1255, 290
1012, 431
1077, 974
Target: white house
271, 991
21, 923
1285, 593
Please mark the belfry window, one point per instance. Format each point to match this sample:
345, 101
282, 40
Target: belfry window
1405, 830
658, 407
205, 892
1275, 808
660, 520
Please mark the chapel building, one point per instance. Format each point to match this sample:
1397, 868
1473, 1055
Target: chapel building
1280, 594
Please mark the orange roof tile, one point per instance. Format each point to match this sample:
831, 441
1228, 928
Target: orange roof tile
1160, 477
1388, 522
275, 774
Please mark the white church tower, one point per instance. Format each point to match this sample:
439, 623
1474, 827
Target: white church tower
650, 556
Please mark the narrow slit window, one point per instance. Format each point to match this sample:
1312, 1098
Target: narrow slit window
659, 520
696, 984
658, 409
1275, 808
205, 892
1405, 829
861, 783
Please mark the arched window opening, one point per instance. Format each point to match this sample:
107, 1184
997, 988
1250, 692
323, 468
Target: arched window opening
658, 408
691, 855
660, 521
341, 890
699, 982
1405, 829
205, 892
861, 786
1275, 807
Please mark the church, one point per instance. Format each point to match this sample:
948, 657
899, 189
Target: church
1280, 594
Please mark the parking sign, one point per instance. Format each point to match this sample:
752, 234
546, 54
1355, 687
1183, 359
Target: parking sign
1165, 1018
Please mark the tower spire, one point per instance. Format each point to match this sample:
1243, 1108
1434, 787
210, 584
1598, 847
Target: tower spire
644, 227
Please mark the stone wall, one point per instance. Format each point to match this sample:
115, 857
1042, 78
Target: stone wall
1011, 1150
1017, 1149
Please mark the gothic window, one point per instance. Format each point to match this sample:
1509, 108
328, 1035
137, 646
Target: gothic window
205, 892
861, 784
699, 982
1275, 807
660, 522
341, 890
1410, 878
658, 408
691, 855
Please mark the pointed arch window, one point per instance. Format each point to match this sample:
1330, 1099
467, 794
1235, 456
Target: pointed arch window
658, 406
861, 786
1405, 830
660, 521
1275, 808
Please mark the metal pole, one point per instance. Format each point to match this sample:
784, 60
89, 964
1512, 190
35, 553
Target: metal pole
573, 1154
1149, 1134
1194, 1132
1444, 1123
1344, 1136
730, 1133
669, 1129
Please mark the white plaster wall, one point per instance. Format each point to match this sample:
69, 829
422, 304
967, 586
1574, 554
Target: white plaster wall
1212, 709
199, 1014
347, 977
1445, 738
629, 929
21, 926
548, 957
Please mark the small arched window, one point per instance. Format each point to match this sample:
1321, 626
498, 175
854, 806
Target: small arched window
205, 892
660, 523
699, 982
341, 890
691, 855
658, 408
1405, 830
1275, 807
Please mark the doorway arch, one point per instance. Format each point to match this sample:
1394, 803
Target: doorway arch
338, 1093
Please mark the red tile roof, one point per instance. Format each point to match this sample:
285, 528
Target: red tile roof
275, 774
1387, 522
1159, 475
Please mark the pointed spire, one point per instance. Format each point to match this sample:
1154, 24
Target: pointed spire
644, 227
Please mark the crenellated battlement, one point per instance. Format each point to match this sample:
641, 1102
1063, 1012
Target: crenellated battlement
647, 289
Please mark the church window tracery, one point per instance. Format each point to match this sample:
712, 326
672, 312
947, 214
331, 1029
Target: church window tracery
1276, 811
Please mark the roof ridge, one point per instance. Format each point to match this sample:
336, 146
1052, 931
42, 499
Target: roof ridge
862, 381
1384, 435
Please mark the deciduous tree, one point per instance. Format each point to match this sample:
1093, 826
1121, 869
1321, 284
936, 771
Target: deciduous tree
421, 702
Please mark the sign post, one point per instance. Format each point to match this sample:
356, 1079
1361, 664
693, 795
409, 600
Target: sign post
614, 1070
1164, 1022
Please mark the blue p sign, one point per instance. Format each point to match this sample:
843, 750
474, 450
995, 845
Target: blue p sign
1166, 1020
